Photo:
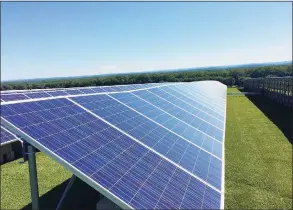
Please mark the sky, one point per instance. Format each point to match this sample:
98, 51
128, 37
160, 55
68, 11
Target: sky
59, 39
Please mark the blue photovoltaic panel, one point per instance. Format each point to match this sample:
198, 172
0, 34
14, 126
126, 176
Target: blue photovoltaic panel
47, 93
57, 93
6, 136
38, 95
209, 102
188, 132
87, 90
14, 97
97, 89
206, 127
125, 87
193, 108
135, 175
197, 100
191, 91
116, 89
74, 92
136, 87
205, 88
108, 89
177, 149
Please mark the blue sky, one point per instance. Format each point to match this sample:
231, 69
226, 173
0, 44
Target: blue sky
42, 39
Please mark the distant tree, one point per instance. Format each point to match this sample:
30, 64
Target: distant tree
226, 76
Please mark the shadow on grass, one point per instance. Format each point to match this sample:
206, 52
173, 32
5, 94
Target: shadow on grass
80, 196
280, 115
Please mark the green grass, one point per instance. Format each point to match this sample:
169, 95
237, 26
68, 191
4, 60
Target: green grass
15, 191
258, 170
230, 90
258, 159
52, 180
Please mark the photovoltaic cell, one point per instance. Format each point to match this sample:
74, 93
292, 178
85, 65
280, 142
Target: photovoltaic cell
14, 97
198, 101
134, 174
188, 132
38, 95
209, 102
116, 89
125, 88
48, 93
108, 89
87, 90
74, 92
193, 108
6, 136
198, 123
57, 93
151, 134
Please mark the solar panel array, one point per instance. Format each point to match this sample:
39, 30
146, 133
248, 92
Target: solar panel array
144, 147
6, 136
51, 93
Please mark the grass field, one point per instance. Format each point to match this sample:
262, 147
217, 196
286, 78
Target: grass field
258, 158
258, 170
52, 177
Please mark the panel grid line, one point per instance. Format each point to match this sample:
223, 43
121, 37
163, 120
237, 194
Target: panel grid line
67, 165
178, 118
166, 128
203, 98
189, 104
185, 110
191, 97
78, 95
211, 186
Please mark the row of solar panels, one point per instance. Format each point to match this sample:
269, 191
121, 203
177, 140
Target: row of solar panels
15, 95
45, 93
158, 147
207, 114
7, 137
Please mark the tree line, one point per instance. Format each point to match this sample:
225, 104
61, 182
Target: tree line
229, 77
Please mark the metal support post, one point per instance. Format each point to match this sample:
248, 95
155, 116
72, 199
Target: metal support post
69, 185
24, 152
33, 177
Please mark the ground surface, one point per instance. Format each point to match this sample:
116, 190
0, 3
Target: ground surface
258, 171
258, 163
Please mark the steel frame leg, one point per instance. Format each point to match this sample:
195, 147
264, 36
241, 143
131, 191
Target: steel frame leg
69, 185
24, 152
33, 177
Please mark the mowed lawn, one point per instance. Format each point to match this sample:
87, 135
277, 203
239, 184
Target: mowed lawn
15, 188
258, 168
258, 158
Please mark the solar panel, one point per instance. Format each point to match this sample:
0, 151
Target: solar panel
109, 89
202, 124
203, 96
98, 90
7, 137
143, 149
194, 135
195, 98
46, 93
74, 92
38, 95
87, 90
14, 97
150, 133
192, 107
57, 93
125, 87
